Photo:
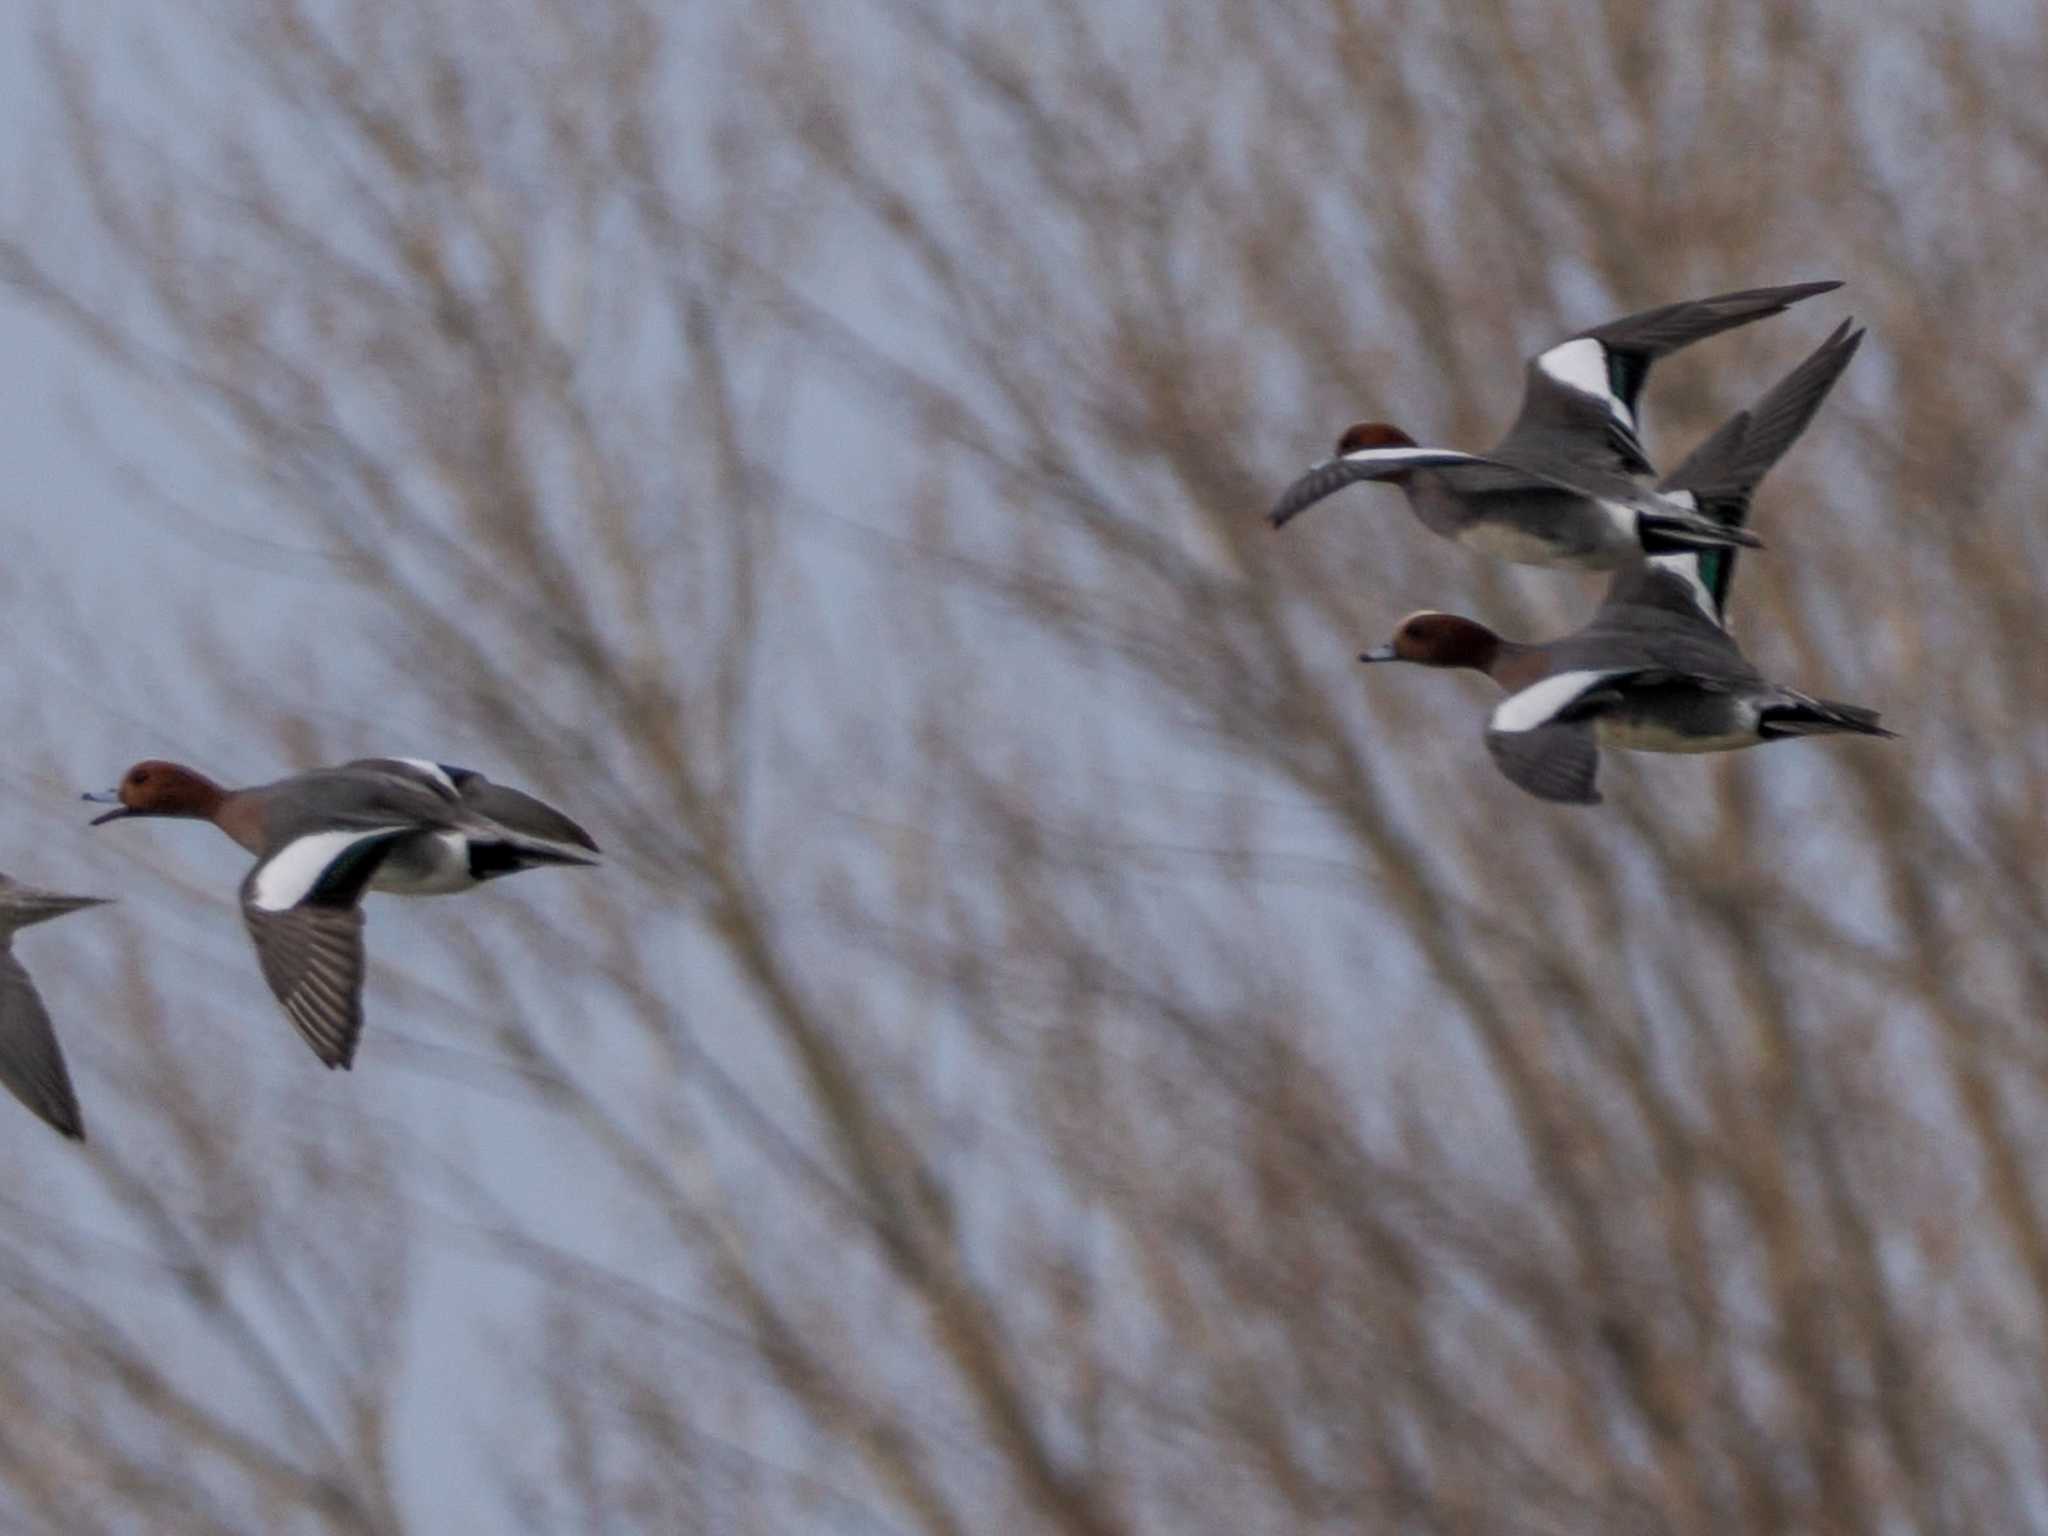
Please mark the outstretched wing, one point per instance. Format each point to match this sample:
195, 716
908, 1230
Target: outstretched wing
1557, 762
312, 957
301, 906
31, 1062
1575, 415
1719, 476
1657, 617
1333, 474
1487, 474
1580, 397
1541, 737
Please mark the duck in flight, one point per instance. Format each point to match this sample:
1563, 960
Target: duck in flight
1656, 670
31, 1062
1569, 483
325, 838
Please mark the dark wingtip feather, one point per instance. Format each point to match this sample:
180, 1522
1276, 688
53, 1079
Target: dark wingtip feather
1784, 297
1301, 495
1794, 292
1321, 481
1857, 717
1805, 716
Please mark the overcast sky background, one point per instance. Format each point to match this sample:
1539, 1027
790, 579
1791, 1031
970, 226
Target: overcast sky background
1186, 964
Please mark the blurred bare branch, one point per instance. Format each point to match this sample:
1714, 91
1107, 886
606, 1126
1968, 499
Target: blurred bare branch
1054, 1049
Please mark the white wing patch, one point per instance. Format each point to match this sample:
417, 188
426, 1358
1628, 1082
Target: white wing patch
1623, 516
288, 876
1686, 568
1428, 457
433, 771
1540, 703
1581, 366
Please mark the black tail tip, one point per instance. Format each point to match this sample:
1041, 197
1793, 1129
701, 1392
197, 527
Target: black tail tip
1822, 718
1865, 722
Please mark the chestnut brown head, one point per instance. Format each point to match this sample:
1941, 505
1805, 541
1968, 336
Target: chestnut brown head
1432, 639
1372, 434
154, 787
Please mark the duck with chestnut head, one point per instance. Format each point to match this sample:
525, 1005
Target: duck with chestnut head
323, 839
1569, 485
1651, 673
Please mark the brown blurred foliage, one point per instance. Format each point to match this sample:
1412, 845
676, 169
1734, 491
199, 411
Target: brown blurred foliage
1055, 1048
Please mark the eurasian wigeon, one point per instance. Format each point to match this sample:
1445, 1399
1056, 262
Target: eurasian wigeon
1650, 673
1569, 483
323, 838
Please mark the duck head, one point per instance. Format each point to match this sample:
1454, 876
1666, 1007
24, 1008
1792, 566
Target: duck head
1432, 639
1372, 434
157, 788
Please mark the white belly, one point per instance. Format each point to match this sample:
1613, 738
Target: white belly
436, 864
1503, 541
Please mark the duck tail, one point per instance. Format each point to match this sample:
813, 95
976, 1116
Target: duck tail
488, 859
1798, 715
